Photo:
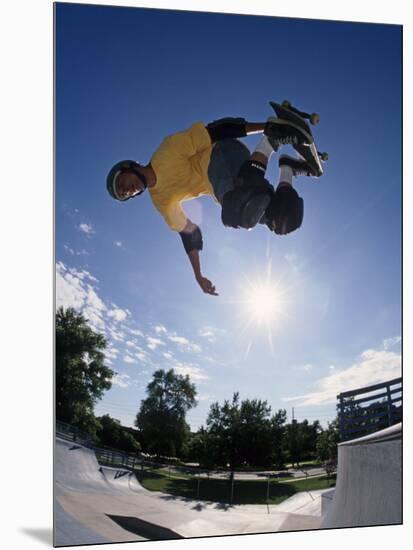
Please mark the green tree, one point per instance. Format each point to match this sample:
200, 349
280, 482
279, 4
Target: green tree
201, 449
161, 417
309, 433
244, 433
293, 443
278, 421
81, 375
223, 425
301, 439
327, 442
112, 434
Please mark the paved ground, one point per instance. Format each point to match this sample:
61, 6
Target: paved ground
251, 476
95, 503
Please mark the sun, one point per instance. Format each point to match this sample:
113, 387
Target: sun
263, 302
263, 306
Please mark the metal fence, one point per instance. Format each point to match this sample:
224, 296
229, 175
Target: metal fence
369, 409
105, 456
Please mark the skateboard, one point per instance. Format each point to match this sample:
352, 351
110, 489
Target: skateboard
308, 152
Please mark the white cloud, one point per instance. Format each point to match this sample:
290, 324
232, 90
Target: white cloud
118, 244
82, 252
168, 355
136, 332
210, 333
89, 276
86, 228
131, 344
118, 314
195, 373
121, 380
111, 352
184, 344
94, 301
160, 329
372, 367
142, 356
116, 335
70, 291
129, 359
389, 343
68, 249
93, 315
153, 343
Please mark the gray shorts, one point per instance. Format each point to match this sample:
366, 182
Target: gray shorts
227, 158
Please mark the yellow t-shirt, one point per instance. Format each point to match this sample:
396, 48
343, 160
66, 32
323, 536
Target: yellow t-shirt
181, 167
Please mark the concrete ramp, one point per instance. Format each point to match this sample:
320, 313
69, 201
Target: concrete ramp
121, 480
96, 504
77, 468
368, 490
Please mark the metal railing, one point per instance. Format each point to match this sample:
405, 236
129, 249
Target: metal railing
105, 456
369, 409
71, 433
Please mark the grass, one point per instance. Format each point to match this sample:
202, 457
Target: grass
218, 490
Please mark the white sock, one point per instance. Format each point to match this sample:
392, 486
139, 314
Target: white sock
264, 147
286, 174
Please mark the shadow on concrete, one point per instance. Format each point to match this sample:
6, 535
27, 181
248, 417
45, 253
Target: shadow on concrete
144, 529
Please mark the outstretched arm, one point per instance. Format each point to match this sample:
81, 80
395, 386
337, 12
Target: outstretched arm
192, 240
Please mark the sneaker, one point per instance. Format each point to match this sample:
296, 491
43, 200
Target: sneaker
282, 132
300, 167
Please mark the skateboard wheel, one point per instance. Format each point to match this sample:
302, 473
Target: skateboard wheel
323, 156
315, 118
286, 104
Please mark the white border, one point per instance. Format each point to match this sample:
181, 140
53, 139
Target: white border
26, 43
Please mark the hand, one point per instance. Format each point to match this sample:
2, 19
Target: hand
206, 285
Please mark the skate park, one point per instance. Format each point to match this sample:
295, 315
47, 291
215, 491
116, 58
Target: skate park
98, 504
288, 314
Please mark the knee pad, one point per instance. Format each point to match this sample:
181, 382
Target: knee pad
285, 212
245, 206
251, 173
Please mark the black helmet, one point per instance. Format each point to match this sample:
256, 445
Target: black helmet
115, 171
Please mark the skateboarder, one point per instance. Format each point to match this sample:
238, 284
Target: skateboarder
210, 160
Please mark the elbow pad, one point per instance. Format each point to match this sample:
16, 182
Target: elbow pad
227, 128
192, 241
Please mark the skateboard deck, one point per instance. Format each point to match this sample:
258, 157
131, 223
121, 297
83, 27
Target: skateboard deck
308, 152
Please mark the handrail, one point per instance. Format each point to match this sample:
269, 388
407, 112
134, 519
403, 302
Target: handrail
379, 411
367, 389
106, 456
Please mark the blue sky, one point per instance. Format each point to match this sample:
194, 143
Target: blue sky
120, 90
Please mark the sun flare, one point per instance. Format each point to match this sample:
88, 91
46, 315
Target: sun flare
264, 307
263, 303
